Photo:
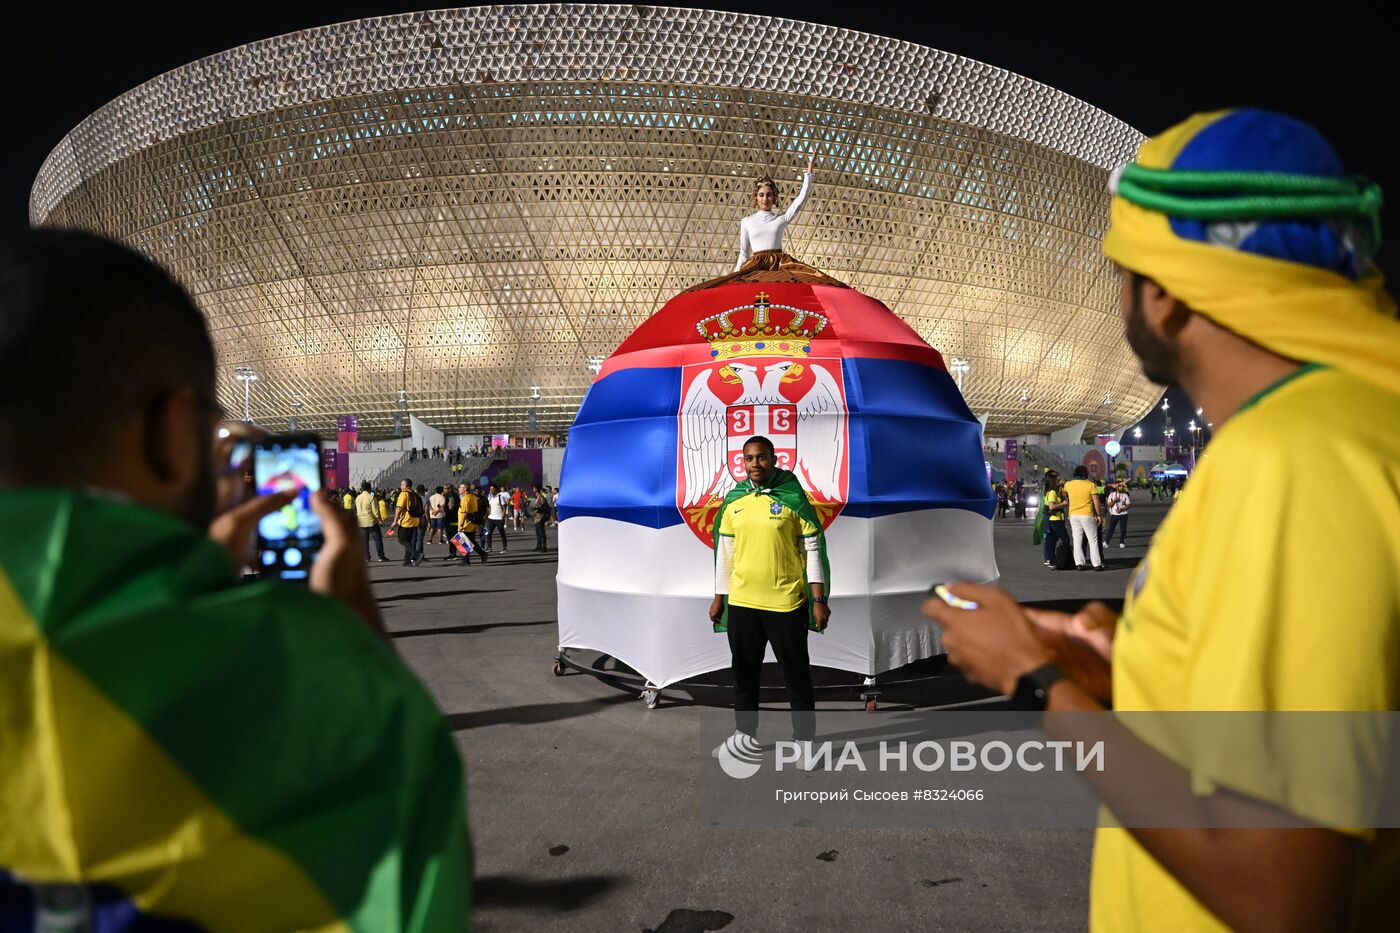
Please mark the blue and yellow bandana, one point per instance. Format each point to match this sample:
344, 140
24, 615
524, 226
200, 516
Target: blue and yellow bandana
1246, 217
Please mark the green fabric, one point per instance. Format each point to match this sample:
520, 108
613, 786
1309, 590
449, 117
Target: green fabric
1275, 386
1038, 529
280, 704
1207, 195
784, 487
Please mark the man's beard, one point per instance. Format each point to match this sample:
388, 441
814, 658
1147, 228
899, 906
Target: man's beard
1158, 358
197, 504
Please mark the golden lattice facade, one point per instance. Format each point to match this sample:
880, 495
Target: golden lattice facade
464, 204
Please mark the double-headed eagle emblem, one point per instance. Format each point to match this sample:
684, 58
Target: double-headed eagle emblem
762, 352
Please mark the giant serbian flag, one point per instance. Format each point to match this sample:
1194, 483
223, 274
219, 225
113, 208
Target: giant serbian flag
857, 406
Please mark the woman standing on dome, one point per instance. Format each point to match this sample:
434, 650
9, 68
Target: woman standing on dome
761, 233
761, 256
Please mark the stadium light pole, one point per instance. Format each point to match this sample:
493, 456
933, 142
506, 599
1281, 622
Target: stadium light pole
959, 365
246, 375
1025, 426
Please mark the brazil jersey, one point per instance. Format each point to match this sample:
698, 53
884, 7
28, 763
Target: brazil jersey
770, 559
1262, 591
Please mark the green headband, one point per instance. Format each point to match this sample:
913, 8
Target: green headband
1253, 196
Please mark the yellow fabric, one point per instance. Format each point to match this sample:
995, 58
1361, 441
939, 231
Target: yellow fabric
1258, 595
1051, 497
466, 508
383, 510
1081, 496
1295, 310
364, 510
348, 502
770, 560
406, 520
102, 803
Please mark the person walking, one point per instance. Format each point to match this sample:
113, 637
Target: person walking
437, 513
408, 516
467, 508
497, 502
1084, 518
770, 588
449, 518
1119, 502
368, 520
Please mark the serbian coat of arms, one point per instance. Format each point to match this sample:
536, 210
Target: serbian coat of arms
761, 380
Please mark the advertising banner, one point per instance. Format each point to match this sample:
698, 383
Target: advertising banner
347, 429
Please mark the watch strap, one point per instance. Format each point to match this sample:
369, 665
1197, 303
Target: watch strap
1033, 687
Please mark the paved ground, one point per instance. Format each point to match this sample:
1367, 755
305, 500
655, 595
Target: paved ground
582, 802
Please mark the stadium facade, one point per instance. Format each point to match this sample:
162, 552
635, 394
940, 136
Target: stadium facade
451, 212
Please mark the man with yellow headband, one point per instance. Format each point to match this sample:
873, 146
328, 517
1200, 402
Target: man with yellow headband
1247, 279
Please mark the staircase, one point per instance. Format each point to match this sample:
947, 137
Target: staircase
432, 472
1036, 458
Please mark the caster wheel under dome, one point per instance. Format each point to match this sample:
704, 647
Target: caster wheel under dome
650, 697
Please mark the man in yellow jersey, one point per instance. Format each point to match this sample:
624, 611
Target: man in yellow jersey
408, 515
467, 507
769, 562
1247, 280
1084, 518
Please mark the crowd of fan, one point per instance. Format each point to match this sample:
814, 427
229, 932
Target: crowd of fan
452, 516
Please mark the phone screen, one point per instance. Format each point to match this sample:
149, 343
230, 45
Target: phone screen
289, 538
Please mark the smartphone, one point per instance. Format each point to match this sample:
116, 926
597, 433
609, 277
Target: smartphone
290, 538
942, 592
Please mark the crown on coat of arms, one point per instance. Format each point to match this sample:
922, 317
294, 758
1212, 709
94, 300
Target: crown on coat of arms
761, 329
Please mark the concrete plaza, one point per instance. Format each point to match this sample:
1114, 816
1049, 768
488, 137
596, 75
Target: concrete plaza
582, 801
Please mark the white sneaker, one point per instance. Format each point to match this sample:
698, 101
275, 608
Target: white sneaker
1121, 544
740, 745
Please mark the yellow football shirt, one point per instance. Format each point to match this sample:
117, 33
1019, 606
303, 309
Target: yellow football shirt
407, 521
1081, 496
1051, 497
1259, 593
465, 510
770, 560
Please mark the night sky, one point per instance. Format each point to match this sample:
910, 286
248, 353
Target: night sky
1149, 64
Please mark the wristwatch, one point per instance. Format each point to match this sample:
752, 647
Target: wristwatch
820, 600
1033, 688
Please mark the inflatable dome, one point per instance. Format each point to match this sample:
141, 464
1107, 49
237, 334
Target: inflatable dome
857, 406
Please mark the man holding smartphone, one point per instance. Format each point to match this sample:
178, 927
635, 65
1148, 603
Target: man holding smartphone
156, 693
1251, 600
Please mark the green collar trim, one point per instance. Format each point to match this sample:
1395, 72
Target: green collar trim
1273, 387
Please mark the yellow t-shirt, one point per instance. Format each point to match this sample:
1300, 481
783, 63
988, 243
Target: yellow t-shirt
383, 510
465, 510
407, 521
1081, 496
1252, 597
1051, 497
348, 502
770, 560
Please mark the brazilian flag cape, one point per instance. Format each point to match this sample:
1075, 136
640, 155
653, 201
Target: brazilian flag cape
181, 752
784, 487
1038, 529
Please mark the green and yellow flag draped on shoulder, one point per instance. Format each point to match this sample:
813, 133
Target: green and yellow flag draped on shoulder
215, 755
784, 487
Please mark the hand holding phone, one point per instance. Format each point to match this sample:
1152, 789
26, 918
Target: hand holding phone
290, 537
942, 592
